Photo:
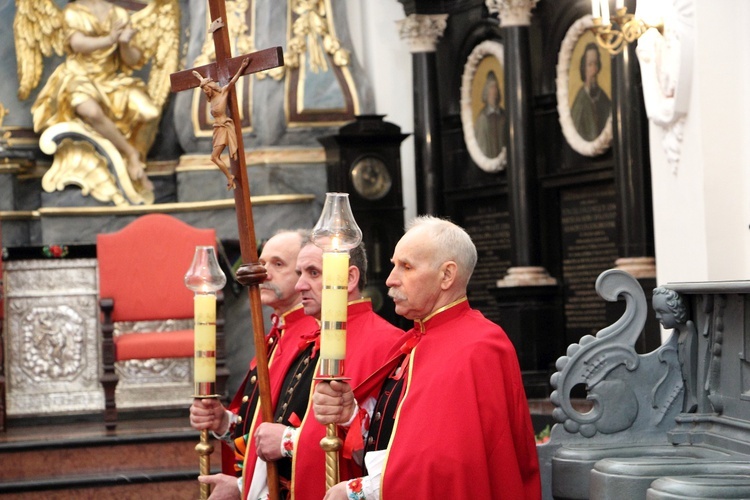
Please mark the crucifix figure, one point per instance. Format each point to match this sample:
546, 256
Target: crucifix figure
225, 71
224, 133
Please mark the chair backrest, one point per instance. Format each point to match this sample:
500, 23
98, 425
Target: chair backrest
142, 267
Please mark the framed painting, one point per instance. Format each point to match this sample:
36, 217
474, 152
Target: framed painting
483, 115
584, 90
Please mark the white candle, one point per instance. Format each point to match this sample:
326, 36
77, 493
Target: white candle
605, 13
619, 4
334, 305
595, 9
205, 339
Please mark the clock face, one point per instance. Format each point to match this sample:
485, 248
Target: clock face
371, 178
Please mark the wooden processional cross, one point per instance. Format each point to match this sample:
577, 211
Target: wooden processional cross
222, 72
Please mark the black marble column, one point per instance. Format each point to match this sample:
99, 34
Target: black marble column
527, 297
525, 243
421, 32
631, 155
429, 171
525, 255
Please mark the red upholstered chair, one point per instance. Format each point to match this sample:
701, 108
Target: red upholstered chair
141, 279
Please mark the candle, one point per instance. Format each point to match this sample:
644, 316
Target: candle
605, 13
595, 9
204, 373
334, 301
619, 4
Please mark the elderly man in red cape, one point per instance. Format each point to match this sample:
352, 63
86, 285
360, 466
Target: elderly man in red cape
290, 323
448, 416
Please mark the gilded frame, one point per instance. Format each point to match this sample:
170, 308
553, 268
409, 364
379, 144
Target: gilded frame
569, 81
486, 57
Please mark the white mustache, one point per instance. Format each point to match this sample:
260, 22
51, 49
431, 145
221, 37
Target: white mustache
395, 294
270, 286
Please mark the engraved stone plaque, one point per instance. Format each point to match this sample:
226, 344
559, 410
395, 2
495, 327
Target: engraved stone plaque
589, 236
488, 224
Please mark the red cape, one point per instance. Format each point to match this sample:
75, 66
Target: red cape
296, 324
463, 429
370, 340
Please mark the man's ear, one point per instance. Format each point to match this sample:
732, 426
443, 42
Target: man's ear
353, 279
448, 272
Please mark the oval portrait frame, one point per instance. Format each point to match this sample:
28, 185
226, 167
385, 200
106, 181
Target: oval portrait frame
487, 48
586, 148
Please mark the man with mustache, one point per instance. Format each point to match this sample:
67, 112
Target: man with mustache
289, 325
446, 417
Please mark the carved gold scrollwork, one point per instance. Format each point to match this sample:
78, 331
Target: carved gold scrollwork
81, 159
3, 112
313, 34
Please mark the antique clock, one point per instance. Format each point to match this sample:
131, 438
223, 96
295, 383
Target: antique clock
364, 160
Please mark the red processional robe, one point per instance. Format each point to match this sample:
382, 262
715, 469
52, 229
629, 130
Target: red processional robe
284, 348
370, 340
462, 428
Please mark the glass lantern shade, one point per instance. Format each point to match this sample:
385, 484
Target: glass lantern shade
336, 229
205, 275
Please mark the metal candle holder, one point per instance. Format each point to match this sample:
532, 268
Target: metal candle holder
336, 232
205, 278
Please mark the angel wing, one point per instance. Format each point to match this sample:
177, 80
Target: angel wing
158, 37
37, 32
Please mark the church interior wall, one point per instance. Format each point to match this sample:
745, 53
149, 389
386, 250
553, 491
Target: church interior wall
700, 204
724, 113
387, 61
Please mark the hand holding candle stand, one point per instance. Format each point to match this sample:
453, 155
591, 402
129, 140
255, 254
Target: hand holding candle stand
205, 278
336, 232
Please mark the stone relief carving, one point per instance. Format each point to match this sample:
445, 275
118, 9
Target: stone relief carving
52, 343
422, 31
666, 62
620, 403
512, 12
713, 378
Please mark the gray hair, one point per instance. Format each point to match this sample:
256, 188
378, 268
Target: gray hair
449, 242
305, 235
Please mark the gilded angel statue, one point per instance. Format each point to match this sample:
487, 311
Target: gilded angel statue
93, 108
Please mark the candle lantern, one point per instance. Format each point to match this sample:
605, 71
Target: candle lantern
336, 232
205, 278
